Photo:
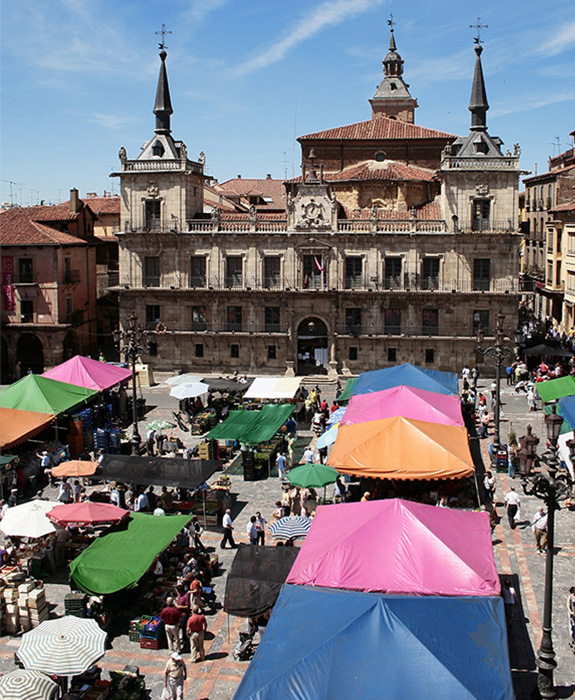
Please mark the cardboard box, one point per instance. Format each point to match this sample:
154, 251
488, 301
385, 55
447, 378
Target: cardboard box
26, 587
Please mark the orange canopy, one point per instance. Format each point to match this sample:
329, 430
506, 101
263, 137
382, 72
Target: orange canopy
402, 448
75, 467
17, 425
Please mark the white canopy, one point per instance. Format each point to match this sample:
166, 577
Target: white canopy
189, 391
273, 388
564, 451
28, 519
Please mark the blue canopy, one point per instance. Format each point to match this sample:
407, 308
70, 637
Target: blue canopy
345, 644
406, 375
567, 410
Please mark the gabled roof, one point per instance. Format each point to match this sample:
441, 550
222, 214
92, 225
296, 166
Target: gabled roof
264, 188
24, 226
103, 205
384, 170
378, 129
53, 212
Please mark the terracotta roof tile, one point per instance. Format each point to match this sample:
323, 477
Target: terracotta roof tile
266, 187
54, 212
384, 170
17, 227
568, 206
430, 212
378, 129
104, 205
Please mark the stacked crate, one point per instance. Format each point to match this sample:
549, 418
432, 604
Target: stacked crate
76, 604
151, 633
11, 620
37, 606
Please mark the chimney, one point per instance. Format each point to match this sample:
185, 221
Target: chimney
268, 176
75, 204
239, 177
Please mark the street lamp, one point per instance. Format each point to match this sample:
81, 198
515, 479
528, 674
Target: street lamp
131, 342
499, 354
526, 454
544, 488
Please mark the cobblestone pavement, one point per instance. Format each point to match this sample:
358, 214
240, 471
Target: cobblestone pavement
515, 555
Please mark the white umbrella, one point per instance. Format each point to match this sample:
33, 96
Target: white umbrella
66, 646
25, 684
189, 391
183, 379
28, 519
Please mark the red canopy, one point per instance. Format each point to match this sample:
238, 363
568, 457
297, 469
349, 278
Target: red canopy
87, 513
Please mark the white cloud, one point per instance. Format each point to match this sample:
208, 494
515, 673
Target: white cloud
528, 103
111, 121
561, 41
200, 9
325, 15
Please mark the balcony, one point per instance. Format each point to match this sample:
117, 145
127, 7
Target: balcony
71, 276
272, 282
151, 280
198, 281
26, 278
234, 327
430, 330
272, 328
234, 282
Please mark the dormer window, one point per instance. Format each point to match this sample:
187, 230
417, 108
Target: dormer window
481, 147
380, 156
393, 86
158, 149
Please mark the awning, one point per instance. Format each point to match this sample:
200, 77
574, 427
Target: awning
347, 390
408, 375
159, 471
119, 558
255, 579
89, 373
343, 644
273, 388
252, 427
548, 350
37, 393
421, 550
556, 388
229, 386
401, 448
17, 426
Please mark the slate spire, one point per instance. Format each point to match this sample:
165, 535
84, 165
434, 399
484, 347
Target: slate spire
478, 105
163, 105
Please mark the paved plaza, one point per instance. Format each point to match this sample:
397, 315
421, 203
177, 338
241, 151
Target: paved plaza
515, 554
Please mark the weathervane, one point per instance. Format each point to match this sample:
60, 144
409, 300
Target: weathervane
163, 32
479, 27
390, 21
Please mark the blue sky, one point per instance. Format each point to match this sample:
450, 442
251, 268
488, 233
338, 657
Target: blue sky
249, 76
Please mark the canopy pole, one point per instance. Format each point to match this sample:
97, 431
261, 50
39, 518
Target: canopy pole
204, 507
228, 616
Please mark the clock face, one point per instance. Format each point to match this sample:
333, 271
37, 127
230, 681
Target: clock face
312, 210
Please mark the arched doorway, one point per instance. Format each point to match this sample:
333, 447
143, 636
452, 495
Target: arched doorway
69, 346
6, 377
312, 348
30, 354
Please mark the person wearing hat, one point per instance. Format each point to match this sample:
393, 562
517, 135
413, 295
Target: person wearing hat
175, 674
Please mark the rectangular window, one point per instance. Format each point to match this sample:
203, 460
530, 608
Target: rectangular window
271, 352
234, 317
430, 322
67, 270
353, 321
152, 271
480, 320
571, 243
234, 351
272, 319
199, 350
153, 214
26, 311
571, 281
197, 271
153, 348
481, 274
353, 272
392, 354
393, 321
353, 353
152, 316
392, 273
429, 356
430, 273
272, 274
68, 309
199, 318
26, 270
234, 271
314, 276
480, 212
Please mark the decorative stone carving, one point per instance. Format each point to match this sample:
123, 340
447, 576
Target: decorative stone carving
482, 186
153, 190
202, 158
122, 155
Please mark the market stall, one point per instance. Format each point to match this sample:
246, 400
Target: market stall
37, 393
17, 425
89, 373
408, 375
274, 388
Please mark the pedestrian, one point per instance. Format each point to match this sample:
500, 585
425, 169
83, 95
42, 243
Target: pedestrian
183, 604
366, 497
150, 441
197, 627
512, 503
489, 484
512, 459
531, 399
509, 596
571, 616
539, 529
308, 455
281, 465
251, 531
77, 490
261, 528
175, 674
141, 504
228, 530
339, 491
65, 492
61, 539
295, 501
170, 616
196, 532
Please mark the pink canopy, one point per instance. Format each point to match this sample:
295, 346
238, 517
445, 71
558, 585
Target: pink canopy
398, 547
404, 401
91, 374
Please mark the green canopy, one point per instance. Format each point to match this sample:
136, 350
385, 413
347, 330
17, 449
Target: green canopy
119, 558
253, 427
346, 393
36, 393
556, 388
312, 475
6, 459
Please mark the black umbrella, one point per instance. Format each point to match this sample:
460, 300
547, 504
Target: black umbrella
552, 350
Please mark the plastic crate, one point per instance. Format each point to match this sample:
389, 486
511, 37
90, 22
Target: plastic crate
149, 643
143, 621
134, 635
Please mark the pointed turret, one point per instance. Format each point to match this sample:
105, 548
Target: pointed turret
478, 105
163, 105
392, 99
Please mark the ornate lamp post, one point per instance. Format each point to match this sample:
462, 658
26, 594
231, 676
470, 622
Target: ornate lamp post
131, 342
499, 354
544, 488
526, 454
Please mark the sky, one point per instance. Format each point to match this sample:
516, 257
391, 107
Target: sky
247, 77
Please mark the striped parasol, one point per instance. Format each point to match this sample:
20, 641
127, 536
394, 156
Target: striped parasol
26, 684
66, 646
290, 528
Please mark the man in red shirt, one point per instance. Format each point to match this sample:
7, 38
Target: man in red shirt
170, 616
197, 626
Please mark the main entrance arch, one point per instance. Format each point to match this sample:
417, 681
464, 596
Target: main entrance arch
30, 354
312, 347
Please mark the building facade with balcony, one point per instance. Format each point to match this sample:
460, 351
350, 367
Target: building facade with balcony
48, 285
395, 244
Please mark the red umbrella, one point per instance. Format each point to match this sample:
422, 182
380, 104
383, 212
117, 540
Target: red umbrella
86, 513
